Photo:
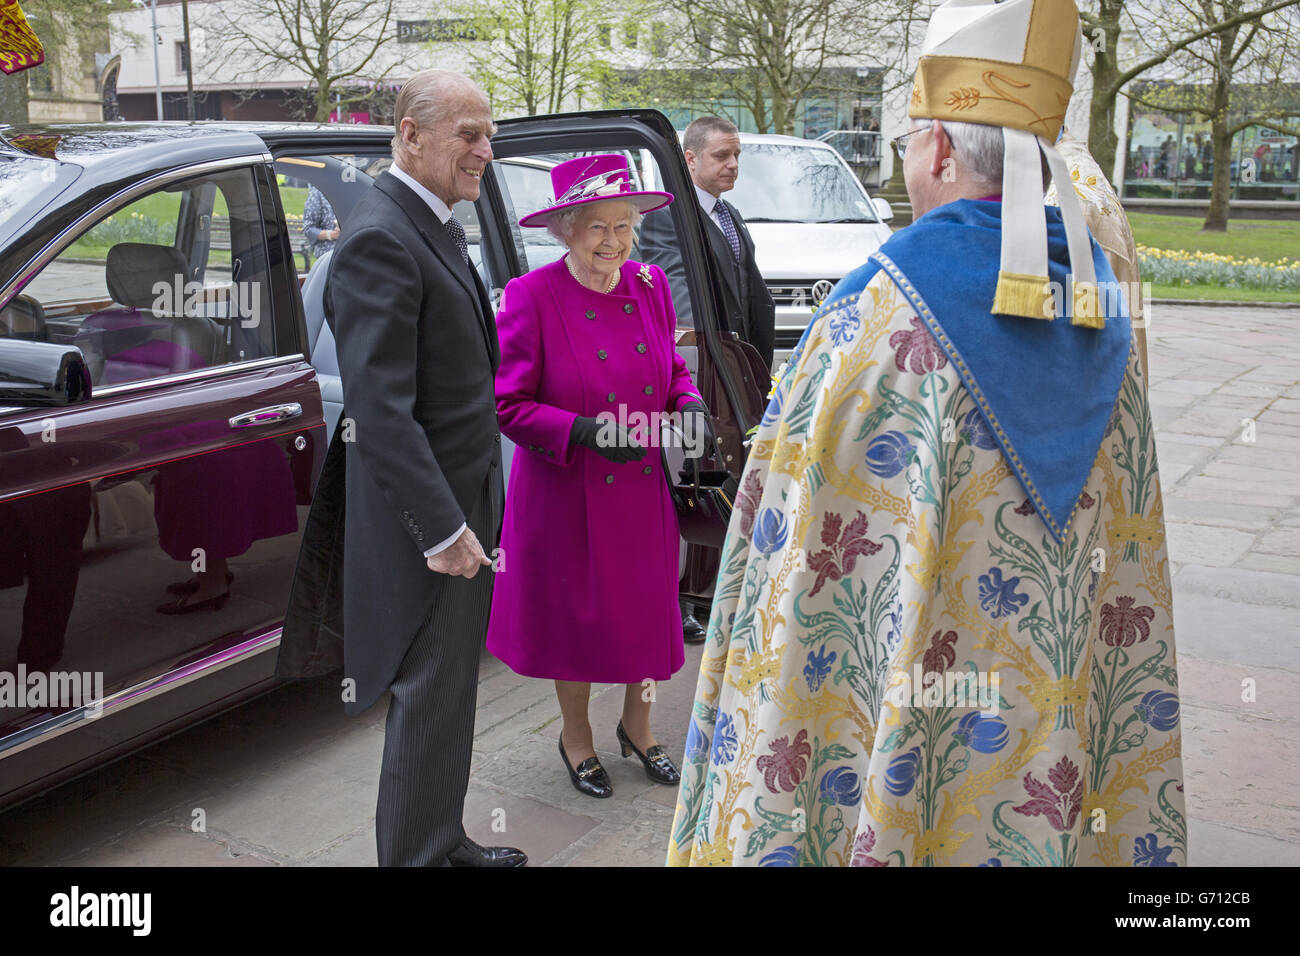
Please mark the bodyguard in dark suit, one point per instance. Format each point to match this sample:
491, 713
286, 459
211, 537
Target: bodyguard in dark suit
712, 148
410, 498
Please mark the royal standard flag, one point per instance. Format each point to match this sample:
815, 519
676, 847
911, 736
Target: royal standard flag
19, 47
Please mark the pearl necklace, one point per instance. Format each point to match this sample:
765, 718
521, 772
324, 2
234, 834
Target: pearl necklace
613, 280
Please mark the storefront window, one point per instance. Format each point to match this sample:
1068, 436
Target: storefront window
1172, 157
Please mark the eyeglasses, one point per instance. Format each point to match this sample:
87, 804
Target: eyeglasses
900, 142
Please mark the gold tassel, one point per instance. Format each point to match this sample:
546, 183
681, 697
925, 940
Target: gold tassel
1087, 306
1027, 296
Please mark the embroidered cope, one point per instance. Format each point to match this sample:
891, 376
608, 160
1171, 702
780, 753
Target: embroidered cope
881, 534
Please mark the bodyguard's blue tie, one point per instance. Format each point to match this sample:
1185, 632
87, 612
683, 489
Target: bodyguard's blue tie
728, 227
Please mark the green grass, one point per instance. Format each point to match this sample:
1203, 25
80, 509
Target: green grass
1268, 239
1220, 293
293, 198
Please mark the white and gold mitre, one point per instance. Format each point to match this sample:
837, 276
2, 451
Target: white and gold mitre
1011, 63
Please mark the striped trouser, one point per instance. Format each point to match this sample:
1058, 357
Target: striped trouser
429, 734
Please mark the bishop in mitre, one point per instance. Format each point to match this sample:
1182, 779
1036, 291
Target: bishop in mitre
942, 630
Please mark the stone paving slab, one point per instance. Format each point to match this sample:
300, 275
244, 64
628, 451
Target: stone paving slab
289, 780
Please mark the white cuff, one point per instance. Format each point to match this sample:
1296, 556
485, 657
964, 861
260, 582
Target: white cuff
447, 543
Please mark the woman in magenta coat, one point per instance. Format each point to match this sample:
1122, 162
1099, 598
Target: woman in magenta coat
587, 587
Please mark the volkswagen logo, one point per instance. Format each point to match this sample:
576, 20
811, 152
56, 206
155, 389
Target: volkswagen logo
821, 289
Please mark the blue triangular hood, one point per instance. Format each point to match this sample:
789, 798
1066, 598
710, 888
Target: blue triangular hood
1046, 388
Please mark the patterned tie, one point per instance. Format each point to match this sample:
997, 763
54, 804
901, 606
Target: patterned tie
728, 227
457, 233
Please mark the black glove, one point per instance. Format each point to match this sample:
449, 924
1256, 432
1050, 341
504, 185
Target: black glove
697, 430
588, 433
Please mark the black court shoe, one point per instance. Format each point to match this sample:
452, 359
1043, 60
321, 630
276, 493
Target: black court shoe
590, 777
693, 632
658, 765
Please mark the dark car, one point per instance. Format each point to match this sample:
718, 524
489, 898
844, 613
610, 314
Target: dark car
161, 418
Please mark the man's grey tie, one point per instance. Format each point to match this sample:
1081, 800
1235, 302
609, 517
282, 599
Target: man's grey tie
728, 227
457, 233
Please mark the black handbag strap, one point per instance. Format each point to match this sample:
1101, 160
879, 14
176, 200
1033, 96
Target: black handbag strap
717, 450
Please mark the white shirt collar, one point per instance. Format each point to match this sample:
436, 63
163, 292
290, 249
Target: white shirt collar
707, 200
437, 205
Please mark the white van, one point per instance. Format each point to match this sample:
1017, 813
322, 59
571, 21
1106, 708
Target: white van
812, 223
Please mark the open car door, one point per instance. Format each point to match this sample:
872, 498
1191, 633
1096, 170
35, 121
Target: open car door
729, 373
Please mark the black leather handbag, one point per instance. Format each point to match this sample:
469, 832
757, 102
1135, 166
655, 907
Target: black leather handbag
703, 499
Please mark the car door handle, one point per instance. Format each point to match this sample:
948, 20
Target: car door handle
266, 416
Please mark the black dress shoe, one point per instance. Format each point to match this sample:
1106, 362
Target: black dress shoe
470, 853
693, 632
590, 777
658, 765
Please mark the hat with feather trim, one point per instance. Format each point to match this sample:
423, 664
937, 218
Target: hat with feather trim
590, 179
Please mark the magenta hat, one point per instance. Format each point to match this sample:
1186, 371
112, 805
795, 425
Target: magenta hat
589, 179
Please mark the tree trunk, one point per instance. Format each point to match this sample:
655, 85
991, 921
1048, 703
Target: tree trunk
1102, 140
1216, 218
13, 98
323, 109
782, 112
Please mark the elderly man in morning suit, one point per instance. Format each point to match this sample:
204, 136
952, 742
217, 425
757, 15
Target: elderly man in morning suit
416, 459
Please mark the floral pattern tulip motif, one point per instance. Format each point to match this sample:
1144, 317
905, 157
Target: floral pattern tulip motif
999, 597
1059, 800
784, 767
916, 349
1123, 625
842, 549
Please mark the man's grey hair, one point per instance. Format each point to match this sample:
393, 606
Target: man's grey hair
701, 130
561, 224
428, 97
980, 149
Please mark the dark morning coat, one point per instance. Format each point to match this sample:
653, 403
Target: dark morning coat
417, 352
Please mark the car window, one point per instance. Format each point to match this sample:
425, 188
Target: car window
29, 183
526, 184
318, 192
173, 281
794, 183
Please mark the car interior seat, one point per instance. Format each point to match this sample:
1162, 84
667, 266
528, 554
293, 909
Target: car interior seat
133, 340
321, 350
23, 318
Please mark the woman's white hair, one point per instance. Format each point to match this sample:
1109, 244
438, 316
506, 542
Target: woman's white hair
561, 224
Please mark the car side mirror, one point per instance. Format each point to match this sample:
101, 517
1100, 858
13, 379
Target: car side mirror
40, 374
883, 209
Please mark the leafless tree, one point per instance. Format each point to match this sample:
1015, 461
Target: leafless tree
770, 55
333, 44
534, 56
1103, 23
1233, 78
